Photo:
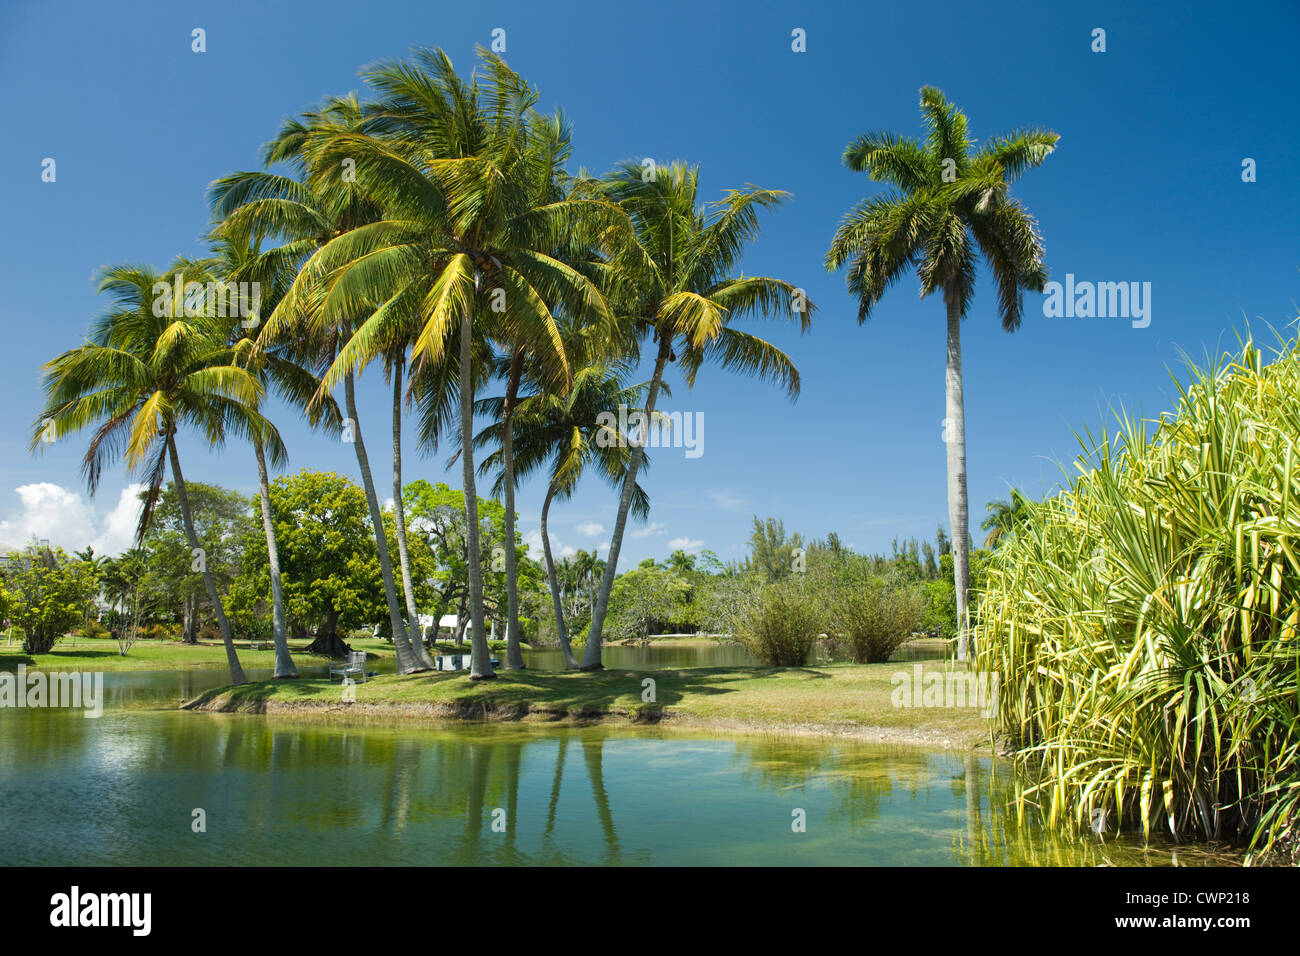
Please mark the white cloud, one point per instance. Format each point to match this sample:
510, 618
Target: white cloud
591, 528
119, 526
725, 501
68, 520
653, 528
686, 544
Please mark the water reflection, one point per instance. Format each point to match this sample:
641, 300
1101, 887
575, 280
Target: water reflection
120, 790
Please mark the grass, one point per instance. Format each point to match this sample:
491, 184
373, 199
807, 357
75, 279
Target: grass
833, 699
101, 654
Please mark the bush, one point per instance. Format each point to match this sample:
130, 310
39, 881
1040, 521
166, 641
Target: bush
1144, 621
92, 629
780, 625
869, 621
209, 632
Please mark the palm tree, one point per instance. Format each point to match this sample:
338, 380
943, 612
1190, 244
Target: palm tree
462, 233
309, 216
150, 366
1005, 518
950, 203
237, 259
675, 281
562, 431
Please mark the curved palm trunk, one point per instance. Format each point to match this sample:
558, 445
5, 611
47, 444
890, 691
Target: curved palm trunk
399, 519
591, 657
958, 506
284, 667
407, 662
514, 655
570, 661
480, 661
236, 671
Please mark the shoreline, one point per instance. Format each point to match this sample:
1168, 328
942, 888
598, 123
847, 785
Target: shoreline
833, 702
404, 715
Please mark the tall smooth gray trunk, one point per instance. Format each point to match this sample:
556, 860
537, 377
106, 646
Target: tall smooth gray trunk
954, 435
480, 660
227, 638
284, 666
399, 520
407, 662
570, 661
591, 656
514, 654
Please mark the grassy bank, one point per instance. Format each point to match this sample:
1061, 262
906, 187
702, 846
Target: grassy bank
95, 654
831, 700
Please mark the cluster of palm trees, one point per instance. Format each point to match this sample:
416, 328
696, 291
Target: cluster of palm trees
433, 231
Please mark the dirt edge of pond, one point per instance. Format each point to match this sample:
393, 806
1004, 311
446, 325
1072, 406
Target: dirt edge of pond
360, 712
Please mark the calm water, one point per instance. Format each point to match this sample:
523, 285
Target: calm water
121, 790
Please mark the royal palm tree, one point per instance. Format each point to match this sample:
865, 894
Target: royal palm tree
463, 240
676, 282
950, 203
153, 363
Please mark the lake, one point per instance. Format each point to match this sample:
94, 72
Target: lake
122, 790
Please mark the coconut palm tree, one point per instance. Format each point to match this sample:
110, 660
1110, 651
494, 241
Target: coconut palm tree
464, 240
309, 215
155, 361
675, 280
237, 259
950, 203
1005, 517
563, 432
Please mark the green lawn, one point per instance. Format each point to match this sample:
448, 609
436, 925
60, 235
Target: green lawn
834, 699
101, 654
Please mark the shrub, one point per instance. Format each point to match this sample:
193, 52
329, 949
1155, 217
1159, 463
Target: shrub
209, 632
780, 624
92, 629
869, 621
1144, 621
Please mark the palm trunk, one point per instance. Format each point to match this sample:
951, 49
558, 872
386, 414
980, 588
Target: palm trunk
399, 519
591, 657
227, 638
514, 655
284, 667
958, 506
570, 661
407, 662
480, 660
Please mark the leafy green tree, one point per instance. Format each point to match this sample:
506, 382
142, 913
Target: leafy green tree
950, 203
437, 520
331, 575
221, 518
47, 594
772, 552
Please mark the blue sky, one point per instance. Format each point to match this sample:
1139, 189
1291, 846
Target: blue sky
1145, 186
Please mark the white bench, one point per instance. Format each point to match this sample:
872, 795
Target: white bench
355, 664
